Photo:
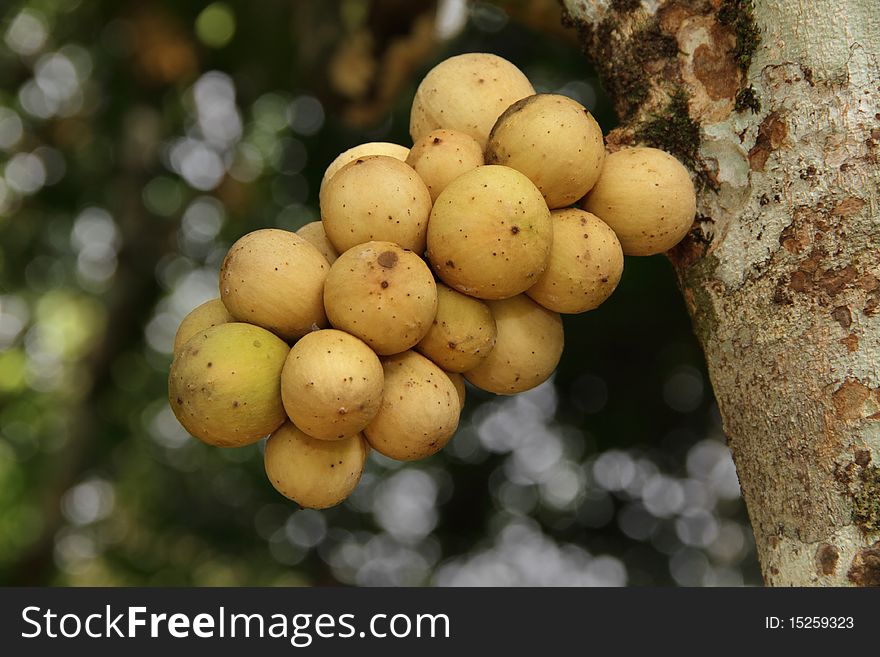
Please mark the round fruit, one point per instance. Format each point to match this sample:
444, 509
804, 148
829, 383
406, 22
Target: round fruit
331, 384
376, 198
211, 313
647, 198
225, 384
396, 151
555, 141
490, 233
383, 294
275, 279
466, 93
441, 156
527, 349
586, 263
314, 234
458, 381
420, 409
315, 474
463, 332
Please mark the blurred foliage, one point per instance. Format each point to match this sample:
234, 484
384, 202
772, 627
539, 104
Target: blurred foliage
137, 141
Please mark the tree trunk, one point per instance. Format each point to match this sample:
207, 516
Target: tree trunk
775, 106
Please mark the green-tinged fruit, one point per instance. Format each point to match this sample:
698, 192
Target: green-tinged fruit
225, 384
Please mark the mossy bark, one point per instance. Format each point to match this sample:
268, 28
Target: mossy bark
775, 107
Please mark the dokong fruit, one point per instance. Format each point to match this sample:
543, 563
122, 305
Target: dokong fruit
338, 339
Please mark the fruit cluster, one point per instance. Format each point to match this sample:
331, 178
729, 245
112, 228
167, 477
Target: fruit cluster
450, 259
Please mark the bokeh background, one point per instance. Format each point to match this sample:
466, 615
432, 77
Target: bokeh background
138, 140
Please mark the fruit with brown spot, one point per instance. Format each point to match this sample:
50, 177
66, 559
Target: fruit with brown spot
382, 294
458, 381
396, 151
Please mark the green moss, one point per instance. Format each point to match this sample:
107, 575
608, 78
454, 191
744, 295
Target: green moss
651, 44
621, 66
673, 130
866, 499
741, 15
620, 72
625, 6
747, 98
703, 319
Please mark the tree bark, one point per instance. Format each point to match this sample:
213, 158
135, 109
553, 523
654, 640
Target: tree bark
775, 107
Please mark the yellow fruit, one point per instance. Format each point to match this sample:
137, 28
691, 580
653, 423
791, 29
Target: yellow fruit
441, 156
211, 313
382, 294
586, 263
314, 234
331, 384
363, 150
420, 409
463, 332
315, 474
490, 233
466, 93
225, 384
527, 349
458, 381
275, 279
647, 198
376, 198
554, 141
